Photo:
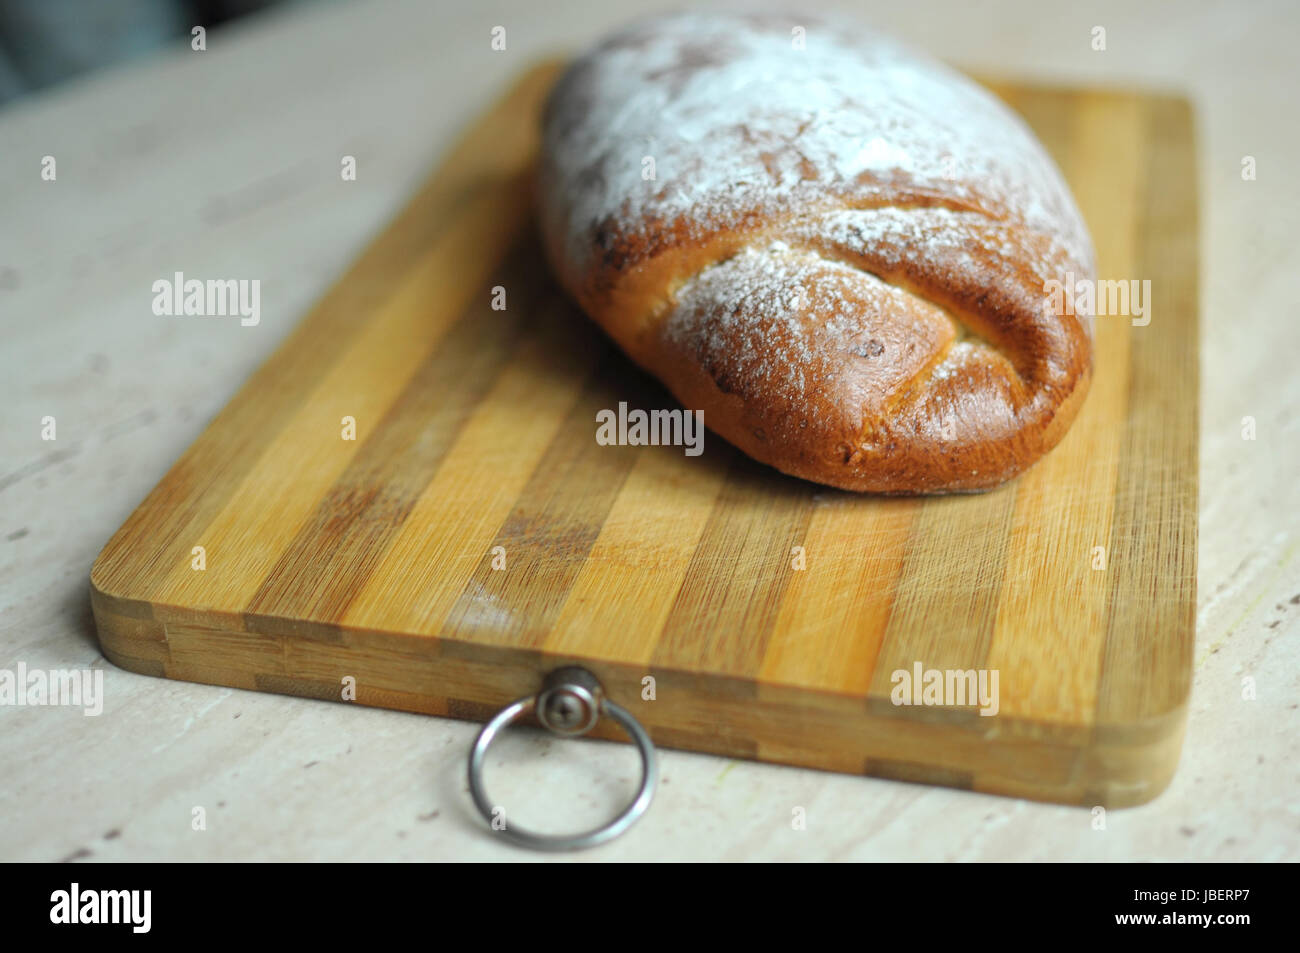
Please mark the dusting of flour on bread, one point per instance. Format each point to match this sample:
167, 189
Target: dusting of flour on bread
740, 123
837, 250
781, 319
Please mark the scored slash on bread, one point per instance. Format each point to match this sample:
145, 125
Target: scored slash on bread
838, 250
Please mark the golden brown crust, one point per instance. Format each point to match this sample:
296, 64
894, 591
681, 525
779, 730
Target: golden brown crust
853, 318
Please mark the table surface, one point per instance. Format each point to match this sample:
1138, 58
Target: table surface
226, 162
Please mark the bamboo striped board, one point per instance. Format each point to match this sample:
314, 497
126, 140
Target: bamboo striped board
474, 534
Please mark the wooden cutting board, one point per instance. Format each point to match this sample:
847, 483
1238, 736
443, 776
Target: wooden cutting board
474, 534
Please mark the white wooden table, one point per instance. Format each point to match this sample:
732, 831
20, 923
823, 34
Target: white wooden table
226, 162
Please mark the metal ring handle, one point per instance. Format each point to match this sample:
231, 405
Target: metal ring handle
556, 842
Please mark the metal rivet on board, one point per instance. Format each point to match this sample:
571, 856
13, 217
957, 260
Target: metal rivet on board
570, 703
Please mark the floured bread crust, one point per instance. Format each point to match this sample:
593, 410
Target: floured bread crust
839, 253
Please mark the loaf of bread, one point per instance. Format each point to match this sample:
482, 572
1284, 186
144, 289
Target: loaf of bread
838, 250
